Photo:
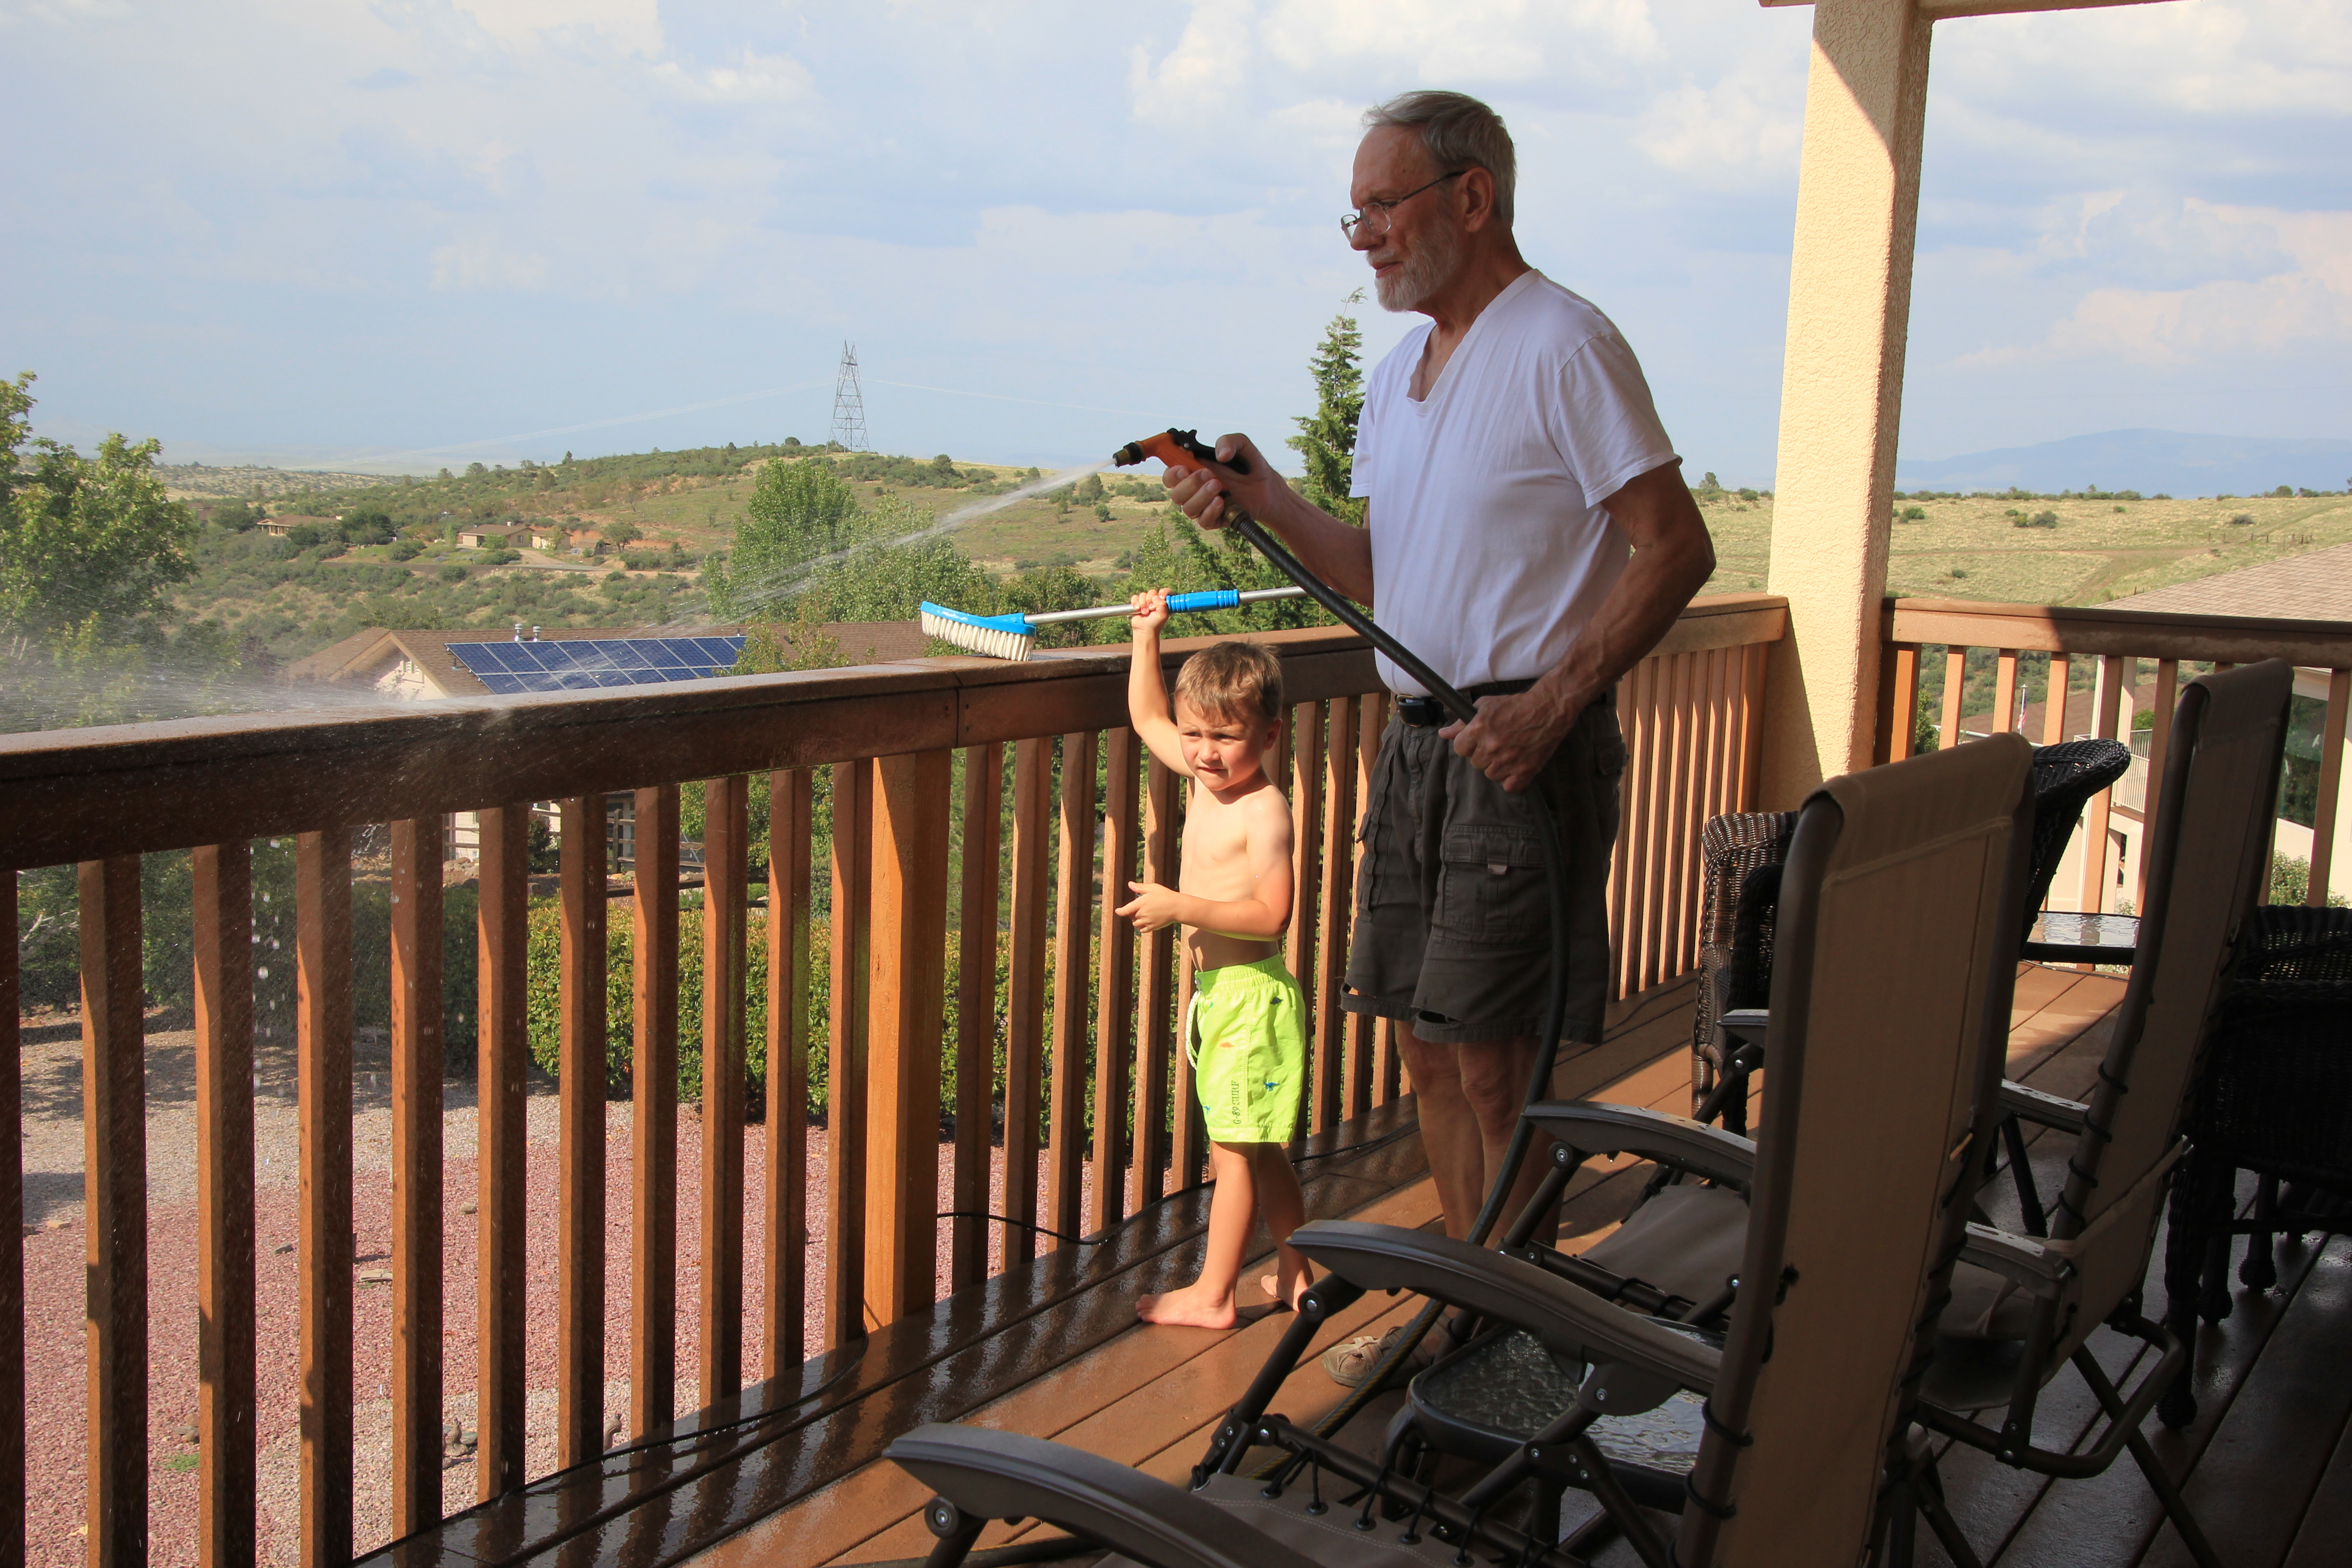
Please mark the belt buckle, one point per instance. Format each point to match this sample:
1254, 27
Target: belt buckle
1421, 712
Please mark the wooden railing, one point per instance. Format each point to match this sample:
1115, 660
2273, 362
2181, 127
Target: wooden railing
2140, 659
888, 738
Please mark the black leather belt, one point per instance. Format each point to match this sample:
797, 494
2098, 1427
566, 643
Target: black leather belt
1426, 712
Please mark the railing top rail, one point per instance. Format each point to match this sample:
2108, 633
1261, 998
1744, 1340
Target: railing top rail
76, 794
2145, 633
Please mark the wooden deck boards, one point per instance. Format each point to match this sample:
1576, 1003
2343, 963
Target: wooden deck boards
2267, 1465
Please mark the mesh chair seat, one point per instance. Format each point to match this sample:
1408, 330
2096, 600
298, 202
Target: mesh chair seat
1504, 1388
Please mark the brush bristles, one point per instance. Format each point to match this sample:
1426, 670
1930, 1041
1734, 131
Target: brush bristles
995, 642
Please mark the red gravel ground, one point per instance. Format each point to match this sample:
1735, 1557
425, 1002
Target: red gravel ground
53, 1268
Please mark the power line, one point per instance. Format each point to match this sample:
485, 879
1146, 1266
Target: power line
849, 404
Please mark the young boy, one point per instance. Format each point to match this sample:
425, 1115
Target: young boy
1244, 1032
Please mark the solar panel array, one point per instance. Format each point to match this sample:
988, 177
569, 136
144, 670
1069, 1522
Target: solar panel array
589, 663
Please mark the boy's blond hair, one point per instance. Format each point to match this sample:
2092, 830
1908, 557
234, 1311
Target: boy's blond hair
1233, 680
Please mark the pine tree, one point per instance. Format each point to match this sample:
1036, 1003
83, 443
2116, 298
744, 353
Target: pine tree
1327, 438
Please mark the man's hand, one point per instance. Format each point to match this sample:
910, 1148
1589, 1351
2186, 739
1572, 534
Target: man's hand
1202, 492
1152, 907
1148, 612
1514, 737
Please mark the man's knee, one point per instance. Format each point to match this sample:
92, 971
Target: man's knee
1493, 1075
1429, 1063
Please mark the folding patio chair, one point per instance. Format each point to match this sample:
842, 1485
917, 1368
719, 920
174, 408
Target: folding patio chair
1741, 855
1899, 930
2023, 1307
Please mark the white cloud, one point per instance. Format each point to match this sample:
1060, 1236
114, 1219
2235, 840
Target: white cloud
633, 25
1741, 127
753, 77
2305, 304
479, 266
1203, 73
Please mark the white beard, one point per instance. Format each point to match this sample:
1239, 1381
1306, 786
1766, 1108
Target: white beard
1424, 270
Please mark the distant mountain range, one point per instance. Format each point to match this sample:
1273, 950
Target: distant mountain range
2143, 460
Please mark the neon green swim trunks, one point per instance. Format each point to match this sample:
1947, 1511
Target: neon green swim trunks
1246, 1037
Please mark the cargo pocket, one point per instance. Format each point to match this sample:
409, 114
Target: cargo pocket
1490, 886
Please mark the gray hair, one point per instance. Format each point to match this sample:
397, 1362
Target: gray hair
1457, 131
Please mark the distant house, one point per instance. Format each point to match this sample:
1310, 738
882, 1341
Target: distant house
280, 527
491, 535
547, 538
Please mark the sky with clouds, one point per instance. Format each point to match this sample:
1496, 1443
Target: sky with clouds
428, 231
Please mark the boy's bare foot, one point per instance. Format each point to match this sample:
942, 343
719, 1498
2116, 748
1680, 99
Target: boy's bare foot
1272, 1285
1190, 1307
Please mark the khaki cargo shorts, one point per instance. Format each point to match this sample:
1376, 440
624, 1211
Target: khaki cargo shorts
1453, 929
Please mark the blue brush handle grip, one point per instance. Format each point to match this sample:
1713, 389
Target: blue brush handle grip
1206, 599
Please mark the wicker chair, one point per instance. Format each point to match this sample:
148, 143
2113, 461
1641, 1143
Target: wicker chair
1741, 855
2276, 1100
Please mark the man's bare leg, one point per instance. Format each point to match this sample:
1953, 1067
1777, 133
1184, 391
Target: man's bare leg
1208, 1302
1494, 1078
1451, 1135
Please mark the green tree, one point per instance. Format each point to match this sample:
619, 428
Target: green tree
1327, 438
798, 512
83, 540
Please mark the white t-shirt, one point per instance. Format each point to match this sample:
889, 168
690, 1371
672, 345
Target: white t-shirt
1490, 548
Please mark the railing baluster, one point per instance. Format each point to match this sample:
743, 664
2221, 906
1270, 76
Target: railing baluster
845, 1121
1307, 745
12, 1272
653, 1125
2112, 672
1680, 833
726, 843
417, 1155
1956, 679
1115, 1008
1368, 1086
503, 1043
2054, 699
1632, 872
792, 800
2004, 692
1024, 990
579, 1119
114, 1188
1334, 1080
983, 833
2331, 782
1188, 1138
1147, 1171
2160, 741
1752, 726
322, 930
1073, 930
1666, 794
1902, 702
223, 900
907, 1004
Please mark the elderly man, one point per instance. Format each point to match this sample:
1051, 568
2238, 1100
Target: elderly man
1529, 535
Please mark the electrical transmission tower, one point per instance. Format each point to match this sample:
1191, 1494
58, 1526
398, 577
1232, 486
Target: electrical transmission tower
849, 404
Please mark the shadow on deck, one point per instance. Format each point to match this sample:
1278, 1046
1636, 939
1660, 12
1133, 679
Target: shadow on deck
1053, 1350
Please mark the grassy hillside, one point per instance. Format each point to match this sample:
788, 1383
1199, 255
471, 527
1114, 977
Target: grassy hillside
2078, 550
682, 506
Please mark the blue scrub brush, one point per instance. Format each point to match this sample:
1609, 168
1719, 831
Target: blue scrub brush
1013, 637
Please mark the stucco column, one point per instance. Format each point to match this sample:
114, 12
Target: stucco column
1842, 391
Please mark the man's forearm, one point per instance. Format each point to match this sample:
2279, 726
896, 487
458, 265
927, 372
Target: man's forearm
1643, 606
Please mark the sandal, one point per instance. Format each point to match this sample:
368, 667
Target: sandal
1351, 1361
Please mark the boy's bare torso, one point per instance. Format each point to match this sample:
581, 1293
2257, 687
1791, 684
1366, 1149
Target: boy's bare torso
1217, 865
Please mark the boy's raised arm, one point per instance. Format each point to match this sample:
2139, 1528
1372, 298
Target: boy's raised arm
1147, 689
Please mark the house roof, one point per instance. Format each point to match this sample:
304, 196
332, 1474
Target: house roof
362, 657
2315, 585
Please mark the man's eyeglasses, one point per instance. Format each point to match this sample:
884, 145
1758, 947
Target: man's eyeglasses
1373, 217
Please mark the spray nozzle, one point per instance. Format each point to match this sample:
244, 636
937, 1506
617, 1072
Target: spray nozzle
1172, 446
